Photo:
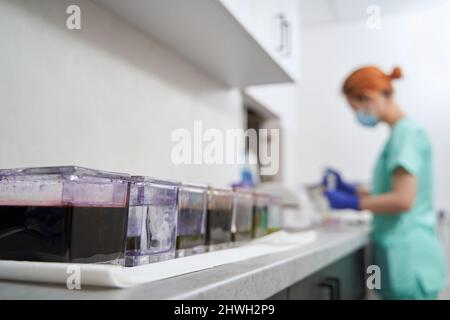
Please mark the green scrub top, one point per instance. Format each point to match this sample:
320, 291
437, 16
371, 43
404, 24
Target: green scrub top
406, 245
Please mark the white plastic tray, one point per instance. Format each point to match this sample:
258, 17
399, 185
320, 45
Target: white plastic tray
120, 277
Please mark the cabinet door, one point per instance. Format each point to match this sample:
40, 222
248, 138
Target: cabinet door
344, 279
287, 35
275, 25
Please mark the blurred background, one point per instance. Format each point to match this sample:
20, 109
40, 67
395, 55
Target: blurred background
110, 94
104, 83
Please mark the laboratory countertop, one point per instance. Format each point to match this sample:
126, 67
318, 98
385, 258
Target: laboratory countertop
255, 278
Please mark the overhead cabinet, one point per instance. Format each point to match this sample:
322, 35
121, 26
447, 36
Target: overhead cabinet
228, 40
275, 25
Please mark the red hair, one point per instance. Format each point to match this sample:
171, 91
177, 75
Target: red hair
372, 78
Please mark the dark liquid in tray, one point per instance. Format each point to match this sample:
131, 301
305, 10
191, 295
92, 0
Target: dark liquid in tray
133, 244
190, 229
187, 241
218, 228
62, 234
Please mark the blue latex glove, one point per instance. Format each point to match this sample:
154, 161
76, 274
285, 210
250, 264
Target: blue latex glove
341, 185
246, 179
342, 200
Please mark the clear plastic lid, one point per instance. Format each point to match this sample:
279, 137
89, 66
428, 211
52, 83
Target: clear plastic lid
244, 195
261, 199
193, 196
63, 186
150, 191
220, 199
276, 200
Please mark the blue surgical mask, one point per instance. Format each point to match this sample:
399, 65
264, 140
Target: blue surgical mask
366, 118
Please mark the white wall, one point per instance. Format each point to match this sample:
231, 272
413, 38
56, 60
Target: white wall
419, 42
106, 97
109, 97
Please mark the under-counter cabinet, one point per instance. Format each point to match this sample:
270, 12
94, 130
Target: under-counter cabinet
330, 267
344, 279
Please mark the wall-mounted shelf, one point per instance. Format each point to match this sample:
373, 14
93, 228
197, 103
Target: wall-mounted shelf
207, 35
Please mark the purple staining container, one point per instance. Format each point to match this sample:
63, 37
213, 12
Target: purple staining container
191, 229
63, 214
152, 221
220, 216
242, 215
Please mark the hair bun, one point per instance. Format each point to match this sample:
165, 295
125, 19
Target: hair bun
396, 73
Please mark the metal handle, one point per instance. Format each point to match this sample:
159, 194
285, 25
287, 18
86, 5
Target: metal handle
282, 20
284, 46
334, 287
287, 26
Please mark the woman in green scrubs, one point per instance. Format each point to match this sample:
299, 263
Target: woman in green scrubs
405, 240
